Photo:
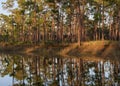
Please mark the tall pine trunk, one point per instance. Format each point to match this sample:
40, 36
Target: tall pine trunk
103, 20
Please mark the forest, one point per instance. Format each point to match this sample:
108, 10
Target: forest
60, 21
60, 43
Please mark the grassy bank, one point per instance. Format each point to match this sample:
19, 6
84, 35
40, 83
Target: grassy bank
87, 49
104, 49
30, 49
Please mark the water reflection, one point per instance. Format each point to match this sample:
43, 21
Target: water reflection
53, 71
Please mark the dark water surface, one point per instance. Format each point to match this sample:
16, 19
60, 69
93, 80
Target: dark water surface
16, 70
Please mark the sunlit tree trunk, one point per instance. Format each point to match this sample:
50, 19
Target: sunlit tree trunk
82, 19
79, 24
75, 28
95, 32
53, 29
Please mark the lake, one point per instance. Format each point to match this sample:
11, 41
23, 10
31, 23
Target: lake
31, 70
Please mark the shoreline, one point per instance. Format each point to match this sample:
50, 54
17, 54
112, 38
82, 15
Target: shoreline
87, 49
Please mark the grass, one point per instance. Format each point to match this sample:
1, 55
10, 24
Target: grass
104, 49
97, 48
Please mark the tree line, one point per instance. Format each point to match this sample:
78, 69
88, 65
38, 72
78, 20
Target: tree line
62, 21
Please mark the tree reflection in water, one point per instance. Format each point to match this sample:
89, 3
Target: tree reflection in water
57, 71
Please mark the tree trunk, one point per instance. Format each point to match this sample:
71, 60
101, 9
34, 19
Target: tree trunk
79, 24
44, 29
62, 30
103, 20
95, 32
110, 32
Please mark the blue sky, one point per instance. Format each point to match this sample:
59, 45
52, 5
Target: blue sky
3, 11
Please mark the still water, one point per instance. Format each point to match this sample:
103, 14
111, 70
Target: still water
17, 70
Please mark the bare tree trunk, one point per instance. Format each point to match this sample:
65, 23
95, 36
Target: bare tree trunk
119, 25
79, 24
44, 29
103, 20
53, 29
82, 19
75, 28
61, 29
95, 32
23, 28
110, 31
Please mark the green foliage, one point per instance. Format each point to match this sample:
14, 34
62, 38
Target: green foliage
36, 21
